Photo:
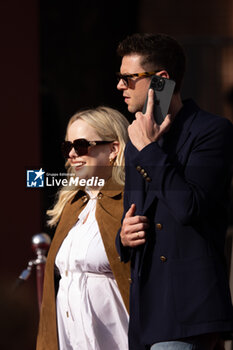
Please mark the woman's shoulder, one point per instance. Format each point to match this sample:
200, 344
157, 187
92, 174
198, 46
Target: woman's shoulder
112, 188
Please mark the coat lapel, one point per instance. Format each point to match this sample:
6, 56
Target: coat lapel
109, 210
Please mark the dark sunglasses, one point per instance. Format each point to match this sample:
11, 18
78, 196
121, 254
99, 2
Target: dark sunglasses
80, 146
125, 77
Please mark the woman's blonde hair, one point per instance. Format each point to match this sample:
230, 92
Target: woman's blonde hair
109, 125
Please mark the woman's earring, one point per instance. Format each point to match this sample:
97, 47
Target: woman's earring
111, 160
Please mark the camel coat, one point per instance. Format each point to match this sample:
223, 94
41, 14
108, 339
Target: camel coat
109, 209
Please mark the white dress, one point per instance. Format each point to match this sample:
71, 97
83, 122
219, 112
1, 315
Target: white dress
90, 311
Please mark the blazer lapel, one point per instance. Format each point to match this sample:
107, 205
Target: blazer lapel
185, 132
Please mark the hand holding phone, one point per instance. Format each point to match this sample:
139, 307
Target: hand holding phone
163, 91
144, 129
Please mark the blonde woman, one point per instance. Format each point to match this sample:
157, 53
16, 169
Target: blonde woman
88, 309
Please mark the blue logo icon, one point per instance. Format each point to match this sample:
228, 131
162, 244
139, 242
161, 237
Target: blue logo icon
35, 178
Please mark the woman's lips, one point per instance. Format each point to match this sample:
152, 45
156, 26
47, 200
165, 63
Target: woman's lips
78, 165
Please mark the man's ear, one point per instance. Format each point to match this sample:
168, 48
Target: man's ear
164, 74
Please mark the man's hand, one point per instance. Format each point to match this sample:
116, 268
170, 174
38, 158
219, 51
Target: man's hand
133, 228
144, 129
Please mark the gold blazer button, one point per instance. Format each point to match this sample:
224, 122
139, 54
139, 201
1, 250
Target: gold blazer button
159, 226
163, 258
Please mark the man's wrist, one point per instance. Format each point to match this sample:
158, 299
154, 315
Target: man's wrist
144, 144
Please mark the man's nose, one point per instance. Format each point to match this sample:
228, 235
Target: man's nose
121, 85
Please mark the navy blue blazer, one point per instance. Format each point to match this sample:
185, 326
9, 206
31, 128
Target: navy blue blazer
179, 284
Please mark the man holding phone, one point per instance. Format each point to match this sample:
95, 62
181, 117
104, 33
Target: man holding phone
178, 176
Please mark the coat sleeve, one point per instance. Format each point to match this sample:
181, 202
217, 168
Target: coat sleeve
124, 252
191, 189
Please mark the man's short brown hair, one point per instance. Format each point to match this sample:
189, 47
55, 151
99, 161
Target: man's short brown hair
159, 50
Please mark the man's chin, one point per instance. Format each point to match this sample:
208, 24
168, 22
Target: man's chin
134, 109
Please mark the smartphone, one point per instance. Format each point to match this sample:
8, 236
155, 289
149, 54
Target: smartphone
163, 90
